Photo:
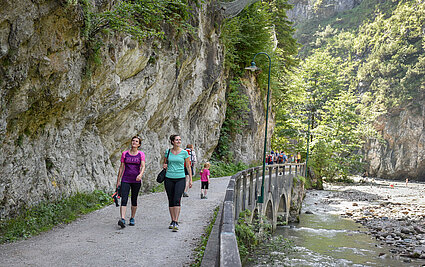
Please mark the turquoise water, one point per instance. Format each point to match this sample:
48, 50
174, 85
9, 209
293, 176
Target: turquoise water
327, 240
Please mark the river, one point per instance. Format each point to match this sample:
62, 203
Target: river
324, 238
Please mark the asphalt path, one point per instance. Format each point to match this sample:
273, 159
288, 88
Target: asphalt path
95, 239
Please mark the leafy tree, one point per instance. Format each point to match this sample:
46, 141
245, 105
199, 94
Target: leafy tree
351, 76
261, 27
317, 91
338, 137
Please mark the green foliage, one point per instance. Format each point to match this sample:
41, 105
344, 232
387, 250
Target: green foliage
319, 95
143, 19
308, 31
245, 234
349, 78
261, 27
158, 188
221, 169
245, 35
46, 215
140, 19
274, 250
250, 235
200, 250
384, 57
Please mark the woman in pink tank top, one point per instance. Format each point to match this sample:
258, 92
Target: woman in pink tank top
130, 178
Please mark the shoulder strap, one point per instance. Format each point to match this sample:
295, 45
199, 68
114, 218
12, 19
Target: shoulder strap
168, 154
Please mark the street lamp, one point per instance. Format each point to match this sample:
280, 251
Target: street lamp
253, 67
308, 146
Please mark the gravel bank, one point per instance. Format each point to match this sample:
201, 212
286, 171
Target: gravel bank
392, 211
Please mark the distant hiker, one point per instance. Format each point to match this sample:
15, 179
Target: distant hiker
192, 154
275, 157
175, 179
282, 158
298, 157
269, 159
130, 177
205, 180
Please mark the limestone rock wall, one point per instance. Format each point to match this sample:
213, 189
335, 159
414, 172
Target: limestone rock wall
309, 9
401, 153
248, 146
63, 131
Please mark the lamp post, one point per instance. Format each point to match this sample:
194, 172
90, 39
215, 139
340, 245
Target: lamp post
308, 146
253, 67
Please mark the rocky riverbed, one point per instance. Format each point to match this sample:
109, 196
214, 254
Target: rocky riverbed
393, 212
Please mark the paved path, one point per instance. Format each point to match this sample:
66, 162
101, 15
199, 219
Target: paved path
96, 240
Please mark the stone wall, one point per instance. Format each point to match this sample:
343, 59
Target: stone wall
62, 130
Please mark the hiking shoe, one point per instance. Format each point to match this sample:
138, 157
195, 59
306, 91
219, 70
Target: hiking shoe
175, 227
202, 196
121, 223
185, 194
131, 222
205, 197
171, 225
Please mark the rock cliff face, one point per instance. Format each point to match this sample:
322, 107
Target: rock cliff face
63, 131
309, 9
248, 147
401, 154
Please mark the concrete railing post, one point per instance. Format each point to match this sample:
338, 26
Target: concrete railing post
257, 181
270, 179
244, 180
251, 188
237, 196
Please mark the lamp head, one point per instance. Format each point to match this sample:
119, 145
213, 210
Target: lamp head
253, 67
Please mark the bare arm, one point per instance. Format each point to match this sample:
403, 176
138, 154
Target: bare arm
142, 170
164, 160
189, 170
120, 172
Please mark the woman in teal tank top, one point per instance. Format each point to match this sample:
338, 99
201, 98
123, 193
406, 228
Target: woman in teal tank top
175, 178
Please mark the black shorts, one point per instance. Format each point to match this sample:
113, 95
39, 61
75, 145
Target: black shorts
204, 185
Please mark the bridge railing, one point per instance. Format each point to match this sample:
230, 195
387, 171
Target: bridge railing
242, 193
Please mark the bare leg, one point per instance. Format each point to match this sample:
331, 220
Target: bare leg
175, 213
133, 211
171, 209
122, 211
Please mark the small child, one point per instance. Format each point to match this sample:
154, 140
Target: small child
205, 180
